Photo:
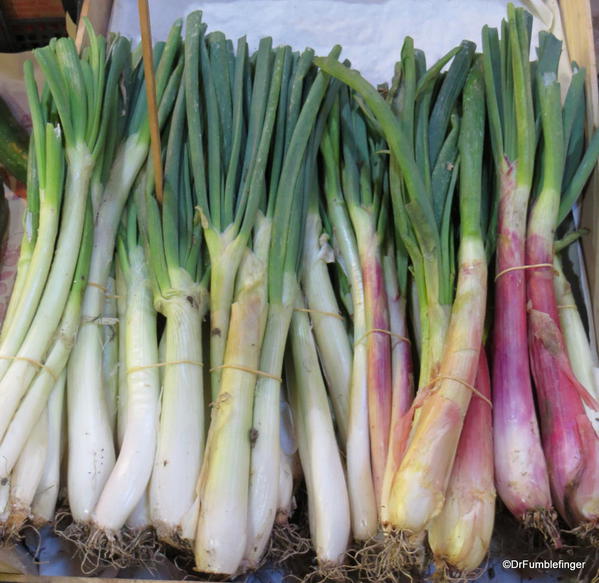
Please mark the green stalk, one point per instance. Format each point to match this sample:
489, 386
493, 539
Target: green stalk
328, 500
330, 332
110, 351
30, 227
43, 507
419, 486
285, 213
227, 235
359, 474
221, 534
27, 294
584, 363
34, 402
91, 433
173, 246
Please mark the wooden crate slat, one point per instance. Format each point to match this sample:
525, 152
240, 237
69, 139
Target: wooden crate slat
578, 26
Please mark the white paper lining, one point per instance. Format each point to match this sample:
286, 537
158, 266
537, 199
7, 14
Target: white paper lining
371, 32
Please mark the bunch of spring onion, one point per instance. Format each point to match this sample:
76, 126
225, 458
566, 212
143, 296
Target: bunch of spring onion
520, 468
423, 222
238, 502
231, 112
91, 438
570, 443
71, 123
460, 534
316, 409
154, 477
356, 189
448, 398
303, 107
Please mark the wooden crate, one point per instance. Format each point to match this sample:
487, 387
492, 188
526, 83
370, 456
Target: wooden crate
577, 18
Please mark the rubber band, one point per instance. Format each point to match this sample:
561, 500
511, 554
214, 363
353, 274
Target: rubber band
311, 311
383, 331
465, 384
248, 369
161, 364
34, 362
98, 286
567, 307
517, 267
104, 290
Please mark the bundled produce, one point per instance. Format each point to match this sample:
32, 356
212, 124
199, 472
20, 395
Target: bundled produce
128, 479
91, 442
460, 534
43, 318
520, 467
570, 444
287, 348
179, 279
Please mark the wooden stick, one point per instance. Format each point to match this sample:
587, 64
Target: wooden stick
98, 13
146, 42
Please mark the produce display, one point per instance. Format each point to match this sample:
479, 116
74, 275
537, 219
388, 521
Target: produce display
343, 332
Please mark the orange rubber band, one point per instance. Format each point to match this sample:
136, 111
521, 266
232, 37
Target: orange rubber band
465, 384
36, 363
160, 364
517, 267
311, 311
383, 331
248, 370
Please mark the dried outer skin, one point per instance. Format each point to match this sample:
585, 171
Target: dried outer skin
460, 536
418, 490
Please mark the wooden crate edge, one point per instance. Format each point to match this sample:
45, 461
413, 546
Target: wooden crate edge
578, 27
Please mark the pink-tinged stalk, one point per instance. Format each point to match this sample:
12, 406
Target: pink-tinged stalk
570, 443
520, 468
402, 380
420, 484
460, 536
378, 346
418, 490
